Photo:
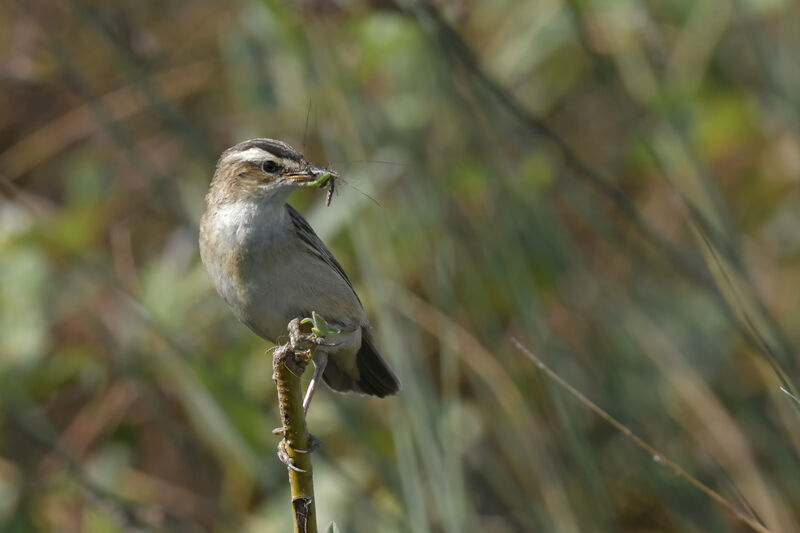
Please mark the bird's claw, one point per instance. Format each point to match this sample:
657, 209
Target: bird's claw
284, 448
300, 342
321, 342
313, 444
305, 342
285, 456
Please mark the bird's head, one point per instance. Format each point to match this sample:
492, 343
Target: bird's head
261, 170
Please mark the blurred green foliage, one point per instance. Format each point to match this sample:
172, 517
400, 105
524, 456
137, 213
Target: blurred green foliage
615, 184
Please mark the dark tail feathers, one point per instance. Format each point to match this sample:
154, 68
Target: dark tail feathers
375, 376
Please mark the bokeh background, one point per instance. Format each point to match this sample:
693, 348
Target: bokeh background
613, 183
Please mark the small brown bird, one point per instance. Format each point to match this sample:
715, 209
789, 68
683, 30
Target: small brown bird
270, 267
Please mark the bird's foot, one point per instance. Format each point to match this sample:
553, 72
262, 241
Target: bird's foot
308, 333
301, 341
285, 449
313, 444
285, 456
306, 342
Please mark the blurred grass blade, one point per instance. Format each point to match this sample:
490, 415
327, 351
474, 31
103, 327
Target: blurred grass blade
655, 454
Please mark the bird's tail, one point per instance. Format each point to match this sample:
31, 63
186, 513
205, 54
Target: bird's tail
374, 375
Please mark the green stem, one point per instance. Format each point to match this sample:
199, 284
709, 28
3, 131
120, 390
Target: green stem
288, 367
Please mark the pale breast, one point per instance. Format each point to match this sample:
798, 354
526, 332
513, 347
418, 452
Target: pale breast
266, 275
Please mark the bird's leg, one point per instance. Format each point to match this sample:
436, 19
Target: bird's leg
320, 361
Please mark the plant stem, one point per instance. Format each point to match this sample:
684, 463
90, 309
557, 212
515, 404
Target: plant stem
288, 366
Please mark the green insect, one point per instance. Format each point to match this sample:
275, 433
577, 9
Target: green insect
328, 178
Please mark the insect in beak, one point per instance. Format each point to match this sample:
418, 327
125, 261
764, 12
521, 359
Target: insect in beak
313, 176
331, 183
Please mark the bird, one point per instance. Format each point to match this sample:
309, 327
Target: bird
270, 267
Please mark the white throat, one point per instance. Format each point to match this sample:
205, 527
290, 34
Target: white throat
244, 220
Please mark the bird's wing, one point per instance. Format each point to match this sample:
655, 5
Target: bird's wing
315, 245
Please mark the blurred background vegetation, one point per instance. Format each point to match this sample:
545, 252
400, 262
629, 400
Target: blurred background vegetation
613, 183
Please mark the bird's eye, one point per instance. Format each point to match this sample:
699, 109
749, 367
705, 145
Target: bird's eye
269, 166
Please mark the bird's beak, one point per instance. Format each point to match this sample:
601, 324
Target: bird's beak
311, 175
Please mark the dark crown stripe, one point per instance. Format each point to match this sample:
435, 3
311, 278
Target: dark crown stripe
278, 148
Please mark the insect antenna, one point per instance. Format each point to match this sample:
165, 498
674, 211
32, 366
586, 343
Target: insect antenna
305, 130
